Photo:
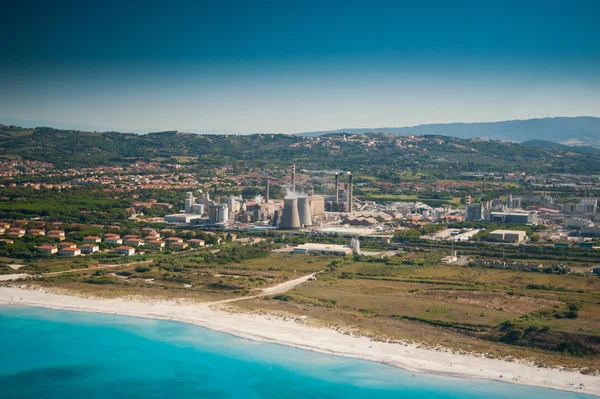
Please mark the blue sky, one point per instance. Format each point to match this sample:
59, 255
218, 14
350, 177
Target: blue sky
284, 66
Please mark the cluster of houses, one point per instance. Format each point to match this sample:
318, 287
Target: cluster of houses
122, 244
16, 231
126, 244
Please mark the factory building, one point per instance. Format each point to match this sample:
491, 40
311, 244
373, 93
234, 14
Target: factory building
193, 208
317, 206
530, 218
587, 206
476, 212
182, 218
233, 203
508, 235
218, 213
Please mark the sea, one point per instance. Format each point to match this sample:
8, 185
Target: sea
63, 354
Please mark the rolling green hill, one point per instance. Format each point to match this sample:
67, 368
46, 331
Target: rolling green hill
375, 154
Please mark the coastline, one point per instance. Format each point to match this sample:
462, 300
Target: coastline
277, 330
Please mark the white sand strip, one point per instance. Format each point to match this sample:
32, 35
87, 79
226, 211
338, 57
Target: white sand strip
278, 330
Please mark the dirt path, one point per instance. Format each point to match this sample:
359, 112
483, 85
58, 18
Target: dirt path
7, 277
276, 289
96, 268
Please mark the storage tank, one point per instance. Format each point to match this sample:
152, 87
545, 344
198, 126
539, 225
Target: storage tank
304, 211
223, 214
290, 218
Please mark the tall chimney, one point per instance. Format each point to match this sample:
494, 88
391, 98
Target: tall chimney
293, 178
267, 191
337, 187
350, 192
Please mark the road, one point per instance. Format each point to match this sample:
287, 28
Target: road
276, 289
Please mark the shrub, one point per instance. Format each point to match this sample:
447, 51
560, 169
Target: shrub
103, 280
572, 314
513, 335
283, 297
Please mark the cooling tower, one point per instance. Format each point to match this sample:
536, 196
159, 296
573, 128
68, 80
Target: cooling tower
290, 218
304, 211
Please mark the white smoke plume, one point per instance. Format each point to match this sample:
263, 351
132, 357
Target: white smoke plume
259, 199
289, 194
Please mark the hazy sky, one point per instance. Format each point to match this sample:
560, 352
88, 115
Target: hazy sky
290, 66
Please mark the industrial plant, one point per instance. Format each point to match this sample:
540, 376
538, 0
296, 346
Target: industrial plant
297, 210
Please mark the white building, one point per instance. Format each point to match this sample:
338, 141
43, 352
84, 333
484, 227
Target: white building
70, 251
47, 249
323, 249
124, 250
508, 235
89, 248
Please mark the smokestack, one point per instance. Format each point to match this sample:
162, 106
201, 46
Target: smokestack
304, 211
290, 218
293, 178
337, 187
350, 192
267, 191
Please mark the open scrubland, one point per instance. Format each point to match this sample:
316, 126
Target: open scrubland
504, 313
202, 275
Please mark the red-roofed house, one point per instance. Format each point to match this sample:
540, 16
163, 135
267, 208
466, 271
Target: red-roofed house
125, 250
47, 249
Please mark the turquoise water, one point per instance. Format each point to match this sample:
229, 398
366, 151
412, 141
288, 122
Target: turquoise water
60, 354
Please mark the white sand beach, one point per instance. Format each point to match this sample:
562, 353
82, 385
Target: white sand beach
297, 334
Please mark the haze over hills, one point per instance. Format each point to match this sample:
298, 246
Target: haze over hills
582, 130
569, 131
33, 123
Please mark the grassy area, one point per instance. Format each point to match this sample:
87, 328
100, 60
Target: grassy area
189, 275
464, 308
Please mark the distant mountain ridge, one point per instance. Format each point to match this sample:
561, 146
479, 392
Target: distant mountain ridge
581, 130
557, 146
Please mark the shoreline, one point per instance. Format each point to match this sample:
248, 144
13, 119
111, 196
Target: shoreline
276, 330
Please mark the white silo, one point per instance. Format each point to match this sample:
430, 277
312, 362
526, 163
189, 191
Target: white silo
223, 213
355, 245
